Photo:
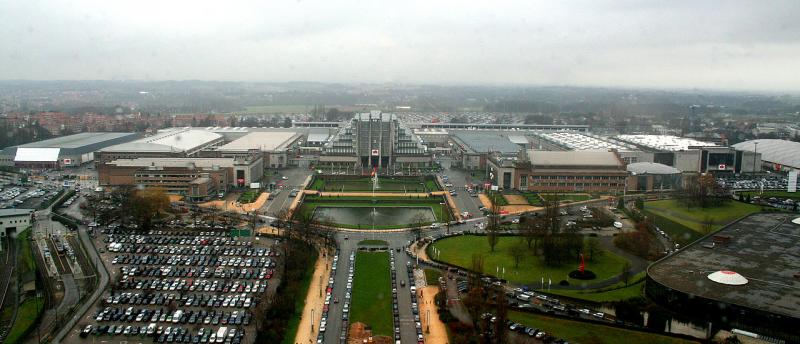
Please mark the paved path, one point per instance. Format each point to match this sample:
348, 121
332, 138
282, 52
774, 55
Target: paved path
315, 299
101, 288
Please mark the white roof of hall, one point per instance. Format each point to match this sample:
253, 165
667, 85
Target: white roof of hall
175, 162
25, 154
263, 140
664, 142
782, 152
176, 139
573, 158
580, 141
651, 168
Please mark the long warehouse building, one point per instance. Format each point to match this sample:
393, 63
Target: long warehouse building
64, 151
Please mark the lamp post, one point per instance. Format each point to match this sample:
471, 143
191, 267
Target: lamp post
755, 153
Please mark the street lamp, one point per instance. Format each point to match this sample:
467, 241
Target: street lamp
755, 153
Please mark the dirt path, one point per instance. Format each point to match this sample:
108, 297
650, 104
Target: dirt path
242, 208
433, 329
315, 299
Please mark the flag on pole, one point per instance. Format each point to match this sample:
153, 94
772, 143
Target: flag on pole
504, 270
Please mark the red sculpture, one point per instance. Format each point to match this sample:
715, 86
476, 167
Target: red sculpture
583, 265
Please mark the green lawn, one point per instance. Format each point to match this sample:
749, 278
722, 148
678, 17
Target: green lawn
533, 198
299, 303
615, 292
432, 276
26, 255
373, 242
582, 332
458, 251
372, 292
248, 196
678, 232
497, 197
27, 314
693, 218
385, 184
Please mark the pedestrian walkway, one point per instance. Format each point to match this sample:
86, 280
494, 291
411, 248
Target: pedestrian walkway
433, 328
315, 300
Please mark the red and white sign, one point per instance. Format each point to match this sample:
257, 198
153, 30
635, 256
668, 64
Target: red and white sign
67, 161
722, 166
376, 152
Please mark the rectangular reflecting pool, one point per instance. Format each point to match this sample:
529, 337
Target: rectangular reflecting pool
363, 217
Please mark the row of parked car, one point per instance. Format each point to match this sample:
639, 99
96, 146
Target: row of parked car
179, 316
170, 270
169, 334
201, 290
179, 238
412, 289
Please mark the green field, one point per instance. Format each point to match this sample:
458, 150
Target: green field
615, 292
385, 184
582, 332
27, 314
533, 198
693, 218
460, 249
248, 196
432, 276
497, 198
373, 242
778, 194
372, 292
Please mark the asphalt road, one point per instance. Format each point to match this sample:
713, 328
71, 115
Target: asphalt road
408, 332
295, 179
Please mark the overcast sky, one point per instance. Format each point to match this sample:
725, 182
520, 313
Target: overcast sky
752, 45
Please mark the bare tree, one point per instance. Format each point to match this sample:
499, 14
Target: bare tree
626, 272
708, 224
517, 252
418, 222
592, 247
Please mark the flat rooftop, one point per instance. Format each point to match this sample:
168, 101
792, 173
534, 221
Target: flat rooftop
764, 248
485, 141
261, 140
573, 159
663, 142
168, 140
580, 142
76, 141
174, 162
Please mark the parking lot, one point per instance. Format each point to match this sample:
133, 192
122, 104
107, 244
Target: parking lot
179, 285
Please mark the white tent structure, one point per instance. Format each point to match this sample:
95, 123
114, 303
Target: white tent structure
727, 277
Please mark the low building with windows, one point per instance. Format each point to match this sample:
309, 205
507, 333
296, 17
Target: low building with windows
13, 221
563, 171
197, 178
650, 176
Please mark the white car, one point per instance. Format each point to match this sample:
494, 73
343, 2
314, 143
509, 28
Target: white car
617, 224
